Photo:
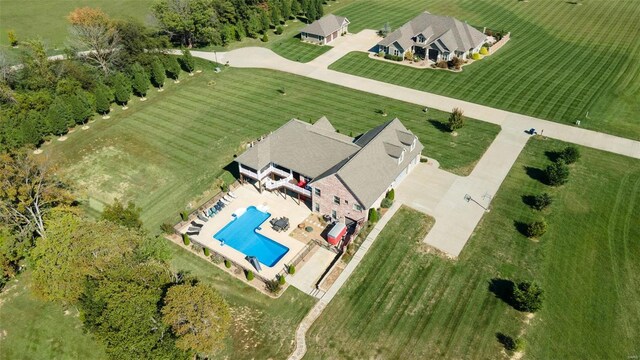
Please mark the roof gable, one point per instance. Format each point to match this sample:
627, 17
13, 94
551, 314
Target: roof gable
326, 25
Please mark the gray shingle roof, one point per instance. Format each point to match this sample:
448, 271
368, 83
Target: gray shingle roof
371, 170
325, 25
442, 32
305, 148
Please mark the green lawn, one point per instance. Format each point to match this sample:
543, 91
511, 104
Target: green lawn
47, 19
262, 327
293, 49
562, 60
166, 153
402, 303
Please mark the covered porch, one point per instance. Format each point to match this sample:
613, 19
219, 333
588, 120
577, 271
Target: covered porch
277, 178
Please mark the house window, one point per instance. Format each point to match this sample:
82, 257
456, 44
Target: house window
413, 144
336, 200
346, 201
357, 207
317, 191
401, 157
334, 214
317, 207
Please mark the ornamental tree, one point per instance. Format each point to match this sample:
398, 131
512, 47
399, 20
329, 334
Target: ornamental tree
104, 97
157, 73
140, 80
121, 89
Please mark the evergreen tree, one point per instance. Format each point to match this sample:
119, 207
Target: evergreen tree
296, 8
103, 99
264, 21
81, 106
319, 9
58, 116
311, 12
121, 89
285, 9
140, 82
172, 67
157, 73
275, 15
188, 64
30, 128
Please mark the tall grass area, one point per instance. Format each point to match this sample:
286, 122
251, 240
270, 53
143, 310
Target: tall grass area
562, 62
166, 153
405, 303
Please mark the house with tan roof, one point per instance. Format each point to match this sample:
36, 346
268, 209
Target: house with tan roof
434, 37
337, 175
325, 29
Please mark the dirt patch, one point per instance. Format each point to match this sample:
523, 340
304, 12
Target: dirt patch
333, 275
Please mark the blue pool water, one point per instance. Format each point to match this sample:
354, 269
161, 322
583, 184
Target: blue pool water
240, 233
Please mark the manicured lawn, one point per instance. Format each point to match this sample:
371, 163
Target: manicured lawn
32, 329
47, 19
562, 60
404, 304
166, 153
293, 49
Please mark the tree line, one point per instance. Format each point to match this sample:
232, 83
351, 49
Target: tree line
220, 22
41, 98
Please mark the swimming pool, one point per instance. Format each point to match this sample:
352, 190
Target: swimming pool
240, 233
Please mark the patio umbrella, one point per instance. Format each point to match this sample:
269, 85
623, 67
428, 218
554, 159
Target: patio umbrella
254, 261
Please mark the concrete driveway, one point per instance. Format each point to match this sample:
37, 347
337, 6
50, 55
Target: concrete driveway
424, 187
362, 41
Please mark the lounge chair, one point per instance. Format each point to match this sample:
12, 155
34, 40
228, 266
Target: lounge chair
193, 223
232, 194
224, 201
202, 217
227, 198
193, 228
193, 233
273, 221
221, 204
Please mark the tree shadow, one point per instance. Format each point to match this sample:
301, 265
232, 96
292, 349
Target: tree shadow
503, 289
521, 227
439, 125
552, 155
535, 173
528, 200
505, 340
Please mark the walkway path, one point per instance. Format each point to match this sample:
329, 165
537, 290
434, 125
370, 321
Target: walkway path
314, 313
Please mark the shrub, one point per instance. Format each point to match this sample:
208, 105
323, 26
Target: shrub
291, 269
166, 228
386, 203
13, 39
569, 155
542, 201
457, 62
281, 280
528, 296
184, 215
536, 229
393, 57
273, 286
381, 53
185, 239
511, 344
476, 56
442, 64
373, 215
456, 120
196, 247
557, 173
227, 264
265, 37
391, 194
278, 30
249, 275
408, 56
484, 51
207, 252
216, 258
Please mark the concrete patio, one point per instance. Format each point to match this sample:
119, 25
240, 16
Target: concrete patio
277, 205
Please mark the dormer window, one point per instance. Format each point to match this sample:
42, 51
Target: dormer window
401, 157
413, 144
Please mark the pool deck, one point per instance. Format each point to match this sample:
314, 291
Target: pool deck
277, 205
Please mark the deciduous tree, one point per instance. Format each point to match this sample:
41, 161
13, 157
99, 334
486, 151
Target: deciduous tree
198, 315
92, 29
128, 216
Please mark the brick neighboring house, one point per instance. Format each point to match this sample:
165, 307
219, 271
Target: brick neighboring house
325, 30
335, 174
434, 37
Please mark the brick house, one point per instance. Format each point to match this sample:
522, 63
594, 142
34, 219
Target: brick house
334, 174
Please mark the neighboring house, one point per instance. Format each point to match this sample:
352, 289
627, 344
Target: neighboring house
340, 176
325, 30
435, 38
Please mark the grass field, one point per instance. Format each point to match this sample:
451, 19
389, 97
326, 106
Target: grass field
293, 49
402, 303
262, 327
562, 60
166, 153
